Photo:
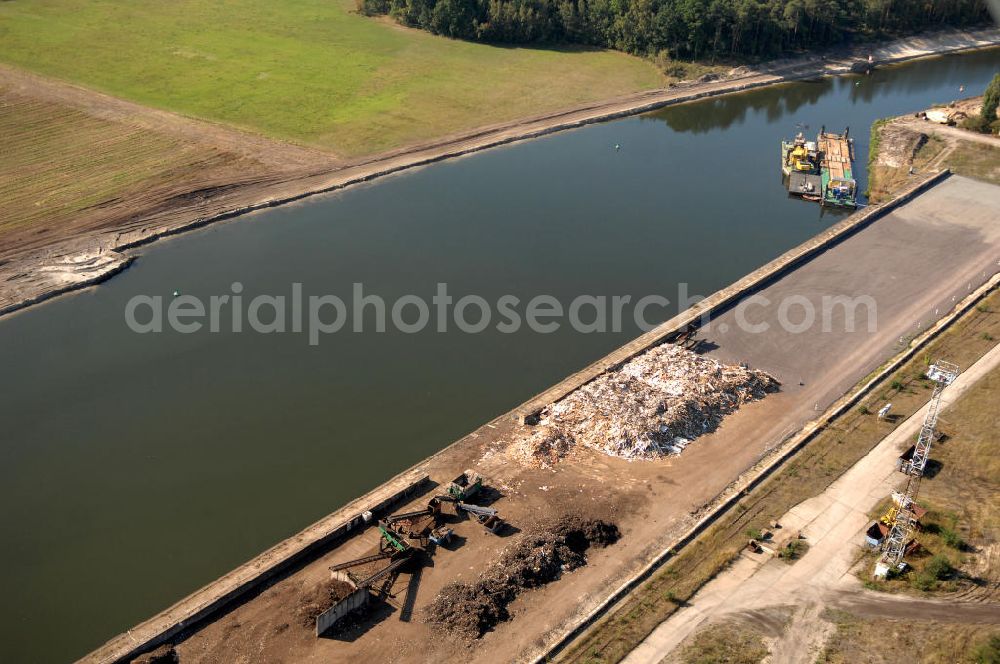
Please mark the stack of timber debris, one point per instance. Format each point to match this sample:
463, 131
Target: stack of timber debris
652, 406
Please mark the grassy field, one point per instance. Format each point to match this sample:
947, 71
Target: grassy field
966, 481
977, 161
721, 643
67, 169
889, 641
58, 161
961, 492
310, 71
807, 474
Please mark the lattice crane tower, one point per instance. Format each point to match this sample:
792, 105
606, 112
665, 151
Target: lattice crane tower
943, 374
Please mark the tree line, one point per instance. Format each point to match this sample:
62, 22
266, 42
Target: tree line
678, 28
987, 121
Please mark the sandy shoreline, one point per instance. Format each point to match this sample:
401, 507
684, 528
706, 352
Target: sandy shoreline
95, 256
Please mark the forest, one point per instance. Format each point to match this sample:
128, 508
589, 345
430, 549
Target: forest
689, 29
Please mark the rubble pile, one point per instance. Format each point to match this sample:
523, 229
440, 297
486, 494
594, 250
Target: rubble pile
540, 556
653, 405
899, 145
541, 444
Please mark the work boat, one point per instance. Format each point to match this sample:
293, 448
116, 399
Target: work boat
798, 156
800, 164
821, 171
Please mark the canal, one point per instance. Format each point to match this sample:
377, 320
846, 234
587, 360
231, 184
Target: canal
137, 467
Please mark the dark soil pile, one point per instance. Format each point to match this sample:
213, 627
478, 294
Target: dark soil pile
540, 556
165, 654
325, 595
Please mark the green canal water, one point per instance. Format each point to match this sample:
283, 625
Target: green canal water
135, 468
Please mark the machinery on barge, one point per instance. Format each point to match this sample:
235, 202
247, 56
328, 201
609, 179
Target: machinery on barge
821, 170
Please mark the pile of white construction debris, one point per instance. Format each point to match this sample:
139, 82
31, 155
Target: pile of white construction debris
654, 405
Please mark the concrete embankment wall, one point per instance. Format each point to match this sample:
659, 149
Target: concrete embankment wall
257, 573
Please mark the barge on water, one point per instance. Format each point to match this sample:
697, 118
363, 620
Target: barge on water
823, 170
800, 164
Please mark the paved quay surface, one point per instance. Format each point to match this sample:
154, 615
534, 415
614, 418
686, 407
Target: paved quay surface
912, 266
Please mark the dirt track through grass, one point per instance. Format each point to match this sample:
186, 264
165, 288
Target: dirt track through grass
903, 142
59, 161
65, 170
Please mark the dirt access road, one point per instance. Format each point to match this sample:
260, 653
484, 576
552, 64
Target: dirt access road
913, 262
950, 134
955, 140
910, 146
833, 524
74, 255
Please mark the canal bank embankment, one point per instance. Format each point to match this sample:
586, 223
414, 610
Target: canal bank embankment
712, 475
97, 256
